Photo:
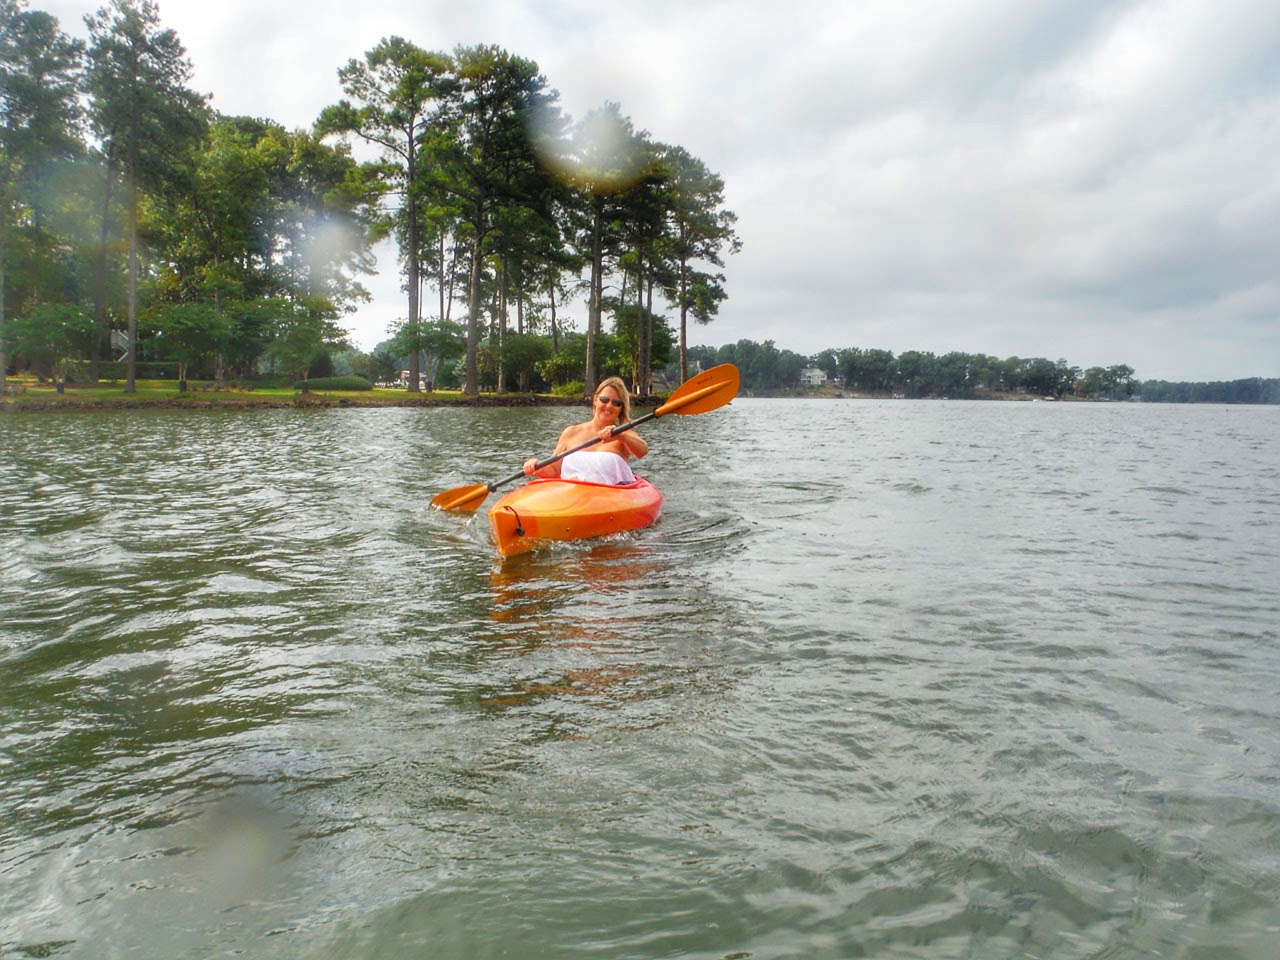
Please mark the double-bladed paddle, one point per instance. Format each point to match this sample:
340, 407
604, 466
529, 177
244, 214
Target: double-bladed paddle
708, 391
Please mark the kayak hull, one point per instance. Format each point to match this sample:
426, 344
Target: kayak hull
554, 509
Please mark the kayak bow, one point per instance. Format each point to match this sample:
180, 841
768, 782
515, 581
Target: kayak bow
557, 509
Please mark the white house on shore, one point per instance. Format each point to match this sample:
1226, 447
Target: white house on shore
813, 377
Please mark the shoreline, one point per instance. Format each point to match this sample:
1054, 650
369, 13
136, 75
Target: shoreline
43, 397
48, 402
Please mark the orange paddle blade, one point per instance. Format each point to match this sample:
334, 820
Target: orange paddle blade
461, 499
709, 390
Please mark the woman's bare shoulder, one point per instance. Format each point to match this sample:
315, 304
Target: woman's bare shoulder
572, 434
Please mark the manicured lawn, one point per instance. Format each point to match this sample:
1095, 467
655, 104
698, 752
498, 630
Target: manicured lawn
26, 393
35, 394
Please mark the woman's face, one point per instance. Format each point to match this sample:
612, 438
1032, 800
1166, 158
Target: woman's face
608, 404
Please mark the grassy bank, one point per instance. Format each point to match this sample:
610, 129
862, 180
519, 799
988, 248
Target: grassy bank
23, 394
29, 394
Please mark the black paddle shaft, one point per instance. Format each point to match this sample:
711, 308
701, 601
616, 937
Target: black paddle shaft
621, 428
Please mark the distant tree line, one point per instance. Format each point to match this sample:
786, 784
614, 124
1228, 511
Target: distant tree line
768, 370
1253, 390
915, 373
765, 369
137, 222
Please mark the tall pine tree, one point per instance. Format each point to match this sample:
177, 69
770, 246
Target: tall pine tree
142, 112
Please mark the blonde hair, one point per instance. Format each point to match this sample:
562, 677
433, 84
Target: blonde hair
623, 395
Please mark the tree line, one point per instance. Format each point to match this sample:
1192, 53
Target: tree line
1249, 390
765, 369
128, 206
916, 373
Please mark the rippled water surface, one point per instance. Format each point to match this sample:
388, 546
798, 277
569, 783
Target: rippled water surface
888, 679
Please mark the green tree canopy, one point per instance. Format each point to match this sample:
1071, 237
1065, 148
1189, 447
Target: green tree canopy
39, 119
143, 113
191, 332
47, 334
396, 93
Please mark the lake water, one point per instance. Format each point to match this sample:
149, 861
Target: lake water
888, 679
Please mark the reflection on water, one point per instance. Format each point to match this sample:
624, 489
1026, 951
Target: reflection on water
886, 679
534, 587
537, 597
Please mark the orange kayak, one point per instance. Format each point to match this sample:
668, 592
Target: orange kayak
546, 509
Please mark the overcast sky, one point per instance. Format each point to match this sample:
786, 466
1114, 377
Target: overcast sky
1094, 181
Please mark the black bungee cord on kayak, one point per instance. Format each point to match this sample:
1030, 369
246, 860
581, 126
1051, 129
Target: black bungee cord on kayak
519, 522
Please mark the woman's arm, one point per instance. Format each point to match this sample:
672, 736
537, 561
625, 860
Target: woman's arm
553, 470
632, 443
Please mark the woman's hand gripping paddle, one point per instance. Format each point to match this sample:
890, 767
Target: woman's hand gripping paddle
708, 391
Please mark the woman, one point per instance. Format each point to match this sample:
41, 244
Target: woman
606, 462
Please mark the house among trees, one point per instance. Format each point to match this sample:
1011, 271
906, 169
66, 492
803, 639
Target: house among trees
813, 377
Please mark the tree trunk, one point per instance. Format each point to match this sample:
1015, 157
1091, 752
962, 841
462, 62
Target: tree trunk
411, 245
131, 376
646, 384
555, 329
502, 324
447, 305
684, 313
597, 287
4, 361
443, 316
470, 386
642, 334
520, 305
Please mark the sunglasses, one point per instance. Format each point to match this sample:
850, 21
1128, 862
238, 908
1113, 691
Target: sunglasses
616, 403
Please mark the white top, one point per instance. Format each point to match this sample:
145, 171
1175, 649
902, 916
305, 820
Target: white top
596, 466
